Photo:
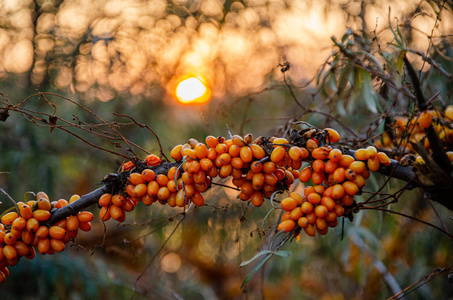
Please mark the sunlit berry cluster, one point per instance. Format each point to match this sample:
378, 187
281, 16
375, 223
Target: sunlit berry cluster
258, 168
336, 178
22, 230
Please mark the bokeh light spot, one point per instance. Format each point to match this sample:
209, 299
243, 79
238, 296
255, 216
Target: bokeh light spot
193, 89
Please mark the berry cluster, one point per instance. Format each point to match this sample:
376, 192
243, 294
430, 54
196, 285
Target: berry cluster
405, 131
258, 169
336, 179
22, 231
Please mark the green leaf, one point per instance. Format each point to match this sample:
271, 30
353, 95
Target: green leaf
282, 253
368, 93
261, 253
267, 215
250, 275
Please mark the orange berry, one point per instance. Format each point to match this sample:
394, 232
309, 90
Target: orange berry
310, 230
307, 207
280, 141
305, 174
321, 225
425, 119
318, 166
85, 216
286, 216
105, 199
256, 198
201, 150
373, 164
206, 164
189, 153
197, 199
361, 154
338, 191
41, 215
21, 248
314, 198
335, 155
288, 204
295, 153
212, 154
176, 153
257, 151
339, 175
9, 252
57, 232
330, 166
350, 188
357, 166
42, 232
104, 214
9, 238
334, 136
371, 152
162, 179
153, 160
211, 141
19, 224
246, 154
117, 200
258, 181
278, 154
57, 245
346, 160
321, 211
234, 150
116, 212
299, 199
286, 226
302, 222
86, 226
221, 148
328, 202
225, 171
25, 211
43, 246
320, 153
42, 195
308, 190
148, 175
338, 210
32, 225
383, 158
9, 218
181, 200
317, 178
136, 178
269, 167
238, 140
72, 223
296, 213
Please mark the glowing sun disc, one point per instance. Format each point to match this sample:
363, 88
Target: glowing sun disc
193, 89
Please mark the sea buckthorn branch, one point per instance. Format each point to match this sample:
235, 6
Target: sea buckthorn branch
259, 169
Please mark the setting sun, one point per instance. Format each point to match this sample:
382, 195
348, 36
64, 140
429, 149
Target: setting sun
193, 90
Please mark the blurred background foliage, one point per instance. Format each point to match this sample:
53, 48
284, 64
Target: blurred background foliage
126, 57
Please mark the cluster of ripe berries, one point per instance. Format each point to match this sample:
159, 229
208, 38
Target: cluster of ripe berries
336, 179
406, 131
23, 230
258, 168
